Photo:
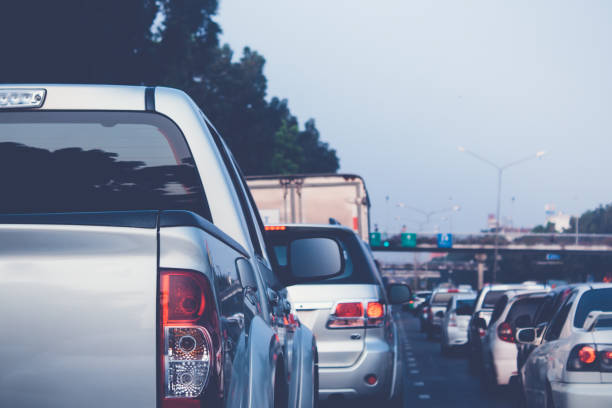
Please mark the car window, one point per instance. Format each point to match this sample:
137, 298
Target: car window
449, 305
499, 308
524, 307
594, 299
556, 324
465, 306
96, 161
491, 298
441, 298
357, 269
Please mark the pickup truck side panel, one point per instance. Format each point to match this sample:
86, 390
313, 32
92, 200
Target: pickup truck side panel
78, 321
191, 248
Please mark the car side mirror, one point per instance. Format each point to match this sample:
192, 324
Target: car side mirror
313, 259
399, 293
526, 335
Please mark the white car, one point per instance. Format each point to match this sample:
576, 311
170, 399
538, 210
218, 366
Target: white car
437, 309
572, 367
514, 309
456, 321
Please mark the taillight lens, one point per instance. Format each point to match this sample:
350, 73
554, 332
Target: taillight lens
505, 332
606, 359
583, 357
352, 309
353, 314
375, 310
452, 321
189, 330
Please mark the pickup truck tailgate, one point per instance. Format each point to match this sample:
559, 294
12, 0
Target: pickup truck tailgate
78, 321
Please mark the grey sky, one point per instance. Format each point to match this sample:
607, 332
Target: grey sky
396, 86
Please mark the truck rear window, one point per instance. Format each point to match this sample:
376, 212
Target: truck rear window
357, 268
95, 161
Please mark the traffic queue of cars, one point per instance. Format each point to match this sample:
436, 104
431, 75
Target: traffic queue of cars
554, 345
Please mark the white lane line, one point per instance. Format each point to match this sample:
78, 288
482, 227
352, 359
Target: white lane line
412, 365
424, 396
418, 384
414, 371
411, 359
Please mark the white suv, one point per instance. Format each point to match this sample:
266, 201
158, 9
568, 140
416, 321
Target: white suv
515, 309
573, 365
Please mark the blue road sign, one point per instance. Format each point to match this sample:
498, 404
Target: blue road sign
553, 257
445, 240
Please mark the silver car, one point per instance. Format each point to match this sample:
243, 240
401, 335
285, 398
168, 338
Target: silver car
351, 318
456, 320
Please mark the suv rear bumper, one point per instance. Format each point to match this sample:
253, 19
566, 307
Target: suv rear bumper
349, 382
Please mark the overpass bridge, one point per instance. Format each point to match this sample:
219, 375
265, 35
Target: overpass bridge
483, 243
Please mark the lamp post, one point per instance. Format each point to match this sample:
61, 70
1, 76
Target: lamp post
500, 170
429, 214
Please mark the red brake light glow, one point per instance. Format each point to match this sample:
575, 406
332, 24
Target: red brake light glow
375, 310
505, 333
353, 309
587, 355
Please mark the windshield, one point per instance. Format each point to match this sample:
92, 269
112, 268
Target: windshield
95, 161
595, 299
442, 298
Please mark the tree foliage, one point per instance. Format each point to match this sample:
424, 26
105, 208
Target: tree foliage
165, 42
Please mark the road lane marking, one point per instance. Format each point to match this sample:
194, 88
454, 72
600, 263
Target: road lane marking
418, 384
424, 396
414, 371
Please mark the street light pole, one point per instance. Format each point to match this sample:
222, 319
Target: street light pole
500, 170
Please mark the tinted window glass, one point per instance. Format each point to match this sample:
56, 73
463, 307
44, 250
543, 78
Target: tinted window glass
595, 299
491, 298
556, 324
524, 307
357, 269
95, 161
441, 298
499, 308
465, 306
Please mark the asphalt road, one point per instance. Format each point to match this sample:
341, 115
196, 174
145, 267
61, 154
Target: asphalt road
435, 381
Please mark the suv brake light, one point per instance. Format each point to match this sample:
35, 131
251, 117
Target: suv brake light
188, 331
505, 333
353, 315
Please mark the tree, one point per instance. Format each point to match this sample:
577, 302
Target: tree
165, 42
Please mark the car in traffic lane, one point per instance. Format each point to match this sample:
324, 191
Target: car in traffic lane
485, 303
456, 320
350, 315
572, 367
515, 309
437, 308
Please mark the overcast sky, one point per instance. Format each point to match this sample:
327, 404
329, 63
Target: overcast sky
396, 86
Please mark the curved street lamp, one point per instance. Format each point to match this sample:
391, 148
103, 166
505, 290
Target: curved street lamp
500, 170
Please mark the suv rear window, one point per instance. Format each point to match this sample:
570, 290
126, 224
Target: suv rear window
594, 299
491, 298
357, 267
441, 298
95, 161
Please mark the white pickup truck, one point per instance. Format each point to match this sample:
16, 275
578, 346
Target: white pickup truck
133, 267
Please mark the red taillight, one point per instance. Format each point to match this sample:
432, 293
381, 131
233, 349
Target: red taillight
481, 332
505, 333
587, 355
452, 291
371, 379
188, 332
353, 309
375, 310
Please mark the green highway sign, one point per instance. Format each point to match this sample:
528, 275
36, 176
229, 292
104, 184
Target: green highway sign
408, 240
375, 239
